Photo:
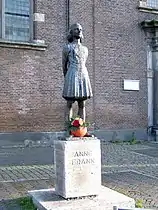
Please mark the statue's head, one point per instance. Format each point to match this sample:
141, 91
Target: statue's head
75, 32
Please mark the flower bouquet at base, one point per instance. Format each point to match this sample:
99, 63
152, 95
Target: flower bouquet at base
77, 127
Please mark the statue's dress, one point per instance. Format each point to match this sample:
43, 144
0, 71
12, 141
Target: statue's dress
77, 83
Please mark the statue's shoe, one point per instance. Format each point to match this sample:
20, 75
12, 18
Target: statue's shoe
88, 135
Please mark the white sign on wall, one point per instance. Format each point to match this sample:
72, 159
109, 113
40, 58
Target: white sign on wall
131, 84
39, 17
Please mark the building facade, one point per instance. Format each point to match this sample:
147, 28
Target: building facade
120, 63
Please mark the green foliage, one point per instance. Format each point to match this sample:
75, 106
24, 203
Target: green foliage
133, 140
139, 204
115, 139
26, 203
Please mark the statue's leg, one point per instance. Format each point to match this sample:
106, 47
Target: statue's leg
81, 109
69, 112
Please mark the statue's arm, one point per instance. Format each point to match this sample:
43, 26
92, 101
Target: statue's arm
64, 60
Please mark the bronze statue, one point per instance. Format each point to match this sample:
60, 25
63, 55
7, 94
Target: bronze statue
77, 85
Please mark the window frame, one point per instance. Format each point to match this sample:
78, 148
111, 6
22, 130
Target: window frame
144, 7
144, 3
2, 32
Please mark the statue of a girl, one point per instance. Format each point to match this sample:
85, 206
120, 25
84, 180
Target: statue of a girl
77, 85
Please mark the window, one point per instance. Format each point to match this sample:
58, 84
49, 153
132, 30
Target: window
152, 3
16, 20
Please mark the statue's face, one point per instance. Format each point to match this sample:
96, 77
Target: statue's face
77, 31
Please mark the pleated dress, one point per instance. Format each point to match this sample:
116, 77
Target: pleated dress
77, 84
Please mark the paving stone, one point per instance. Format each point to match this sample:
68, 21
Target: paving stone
141, 183
149, 152
135, 185
9, 205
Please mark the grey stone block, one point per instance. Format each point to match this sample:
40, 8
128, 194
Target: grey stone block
78, 167
107, 198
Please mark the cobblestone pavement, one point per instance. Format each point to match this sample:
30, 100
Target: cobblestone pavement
129, 169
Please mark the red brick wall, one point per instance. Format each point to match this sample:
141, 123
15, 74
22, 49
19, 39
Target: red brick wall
120, 54
117, 52
31, 81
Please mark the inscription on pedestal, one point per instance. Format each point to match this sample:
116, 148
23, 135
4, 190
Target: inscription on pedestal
78, 167
84, 157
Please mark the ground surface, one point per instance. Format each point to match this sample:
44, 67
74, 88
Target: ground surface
129, 169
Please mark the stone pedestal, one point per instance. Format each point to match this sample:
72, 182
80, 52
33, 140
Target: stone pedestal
107, 198
78, 174
78, 167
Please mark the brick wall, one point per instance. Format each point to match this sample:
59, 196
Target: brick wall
32, 81
117, 52
120, 54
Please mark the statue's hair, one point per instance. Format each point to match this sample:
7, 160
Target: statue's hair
70, 36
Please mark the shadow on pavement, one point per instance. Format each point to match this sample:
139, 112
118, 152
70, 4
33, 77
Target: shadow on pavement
10, 205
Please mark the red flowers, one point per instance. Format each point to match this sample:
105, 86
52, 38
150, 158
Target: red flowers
78, 127
77, 122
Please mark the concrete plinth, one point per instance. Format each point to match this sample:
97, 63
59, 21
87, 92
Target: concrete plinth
107, 198
78, 167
